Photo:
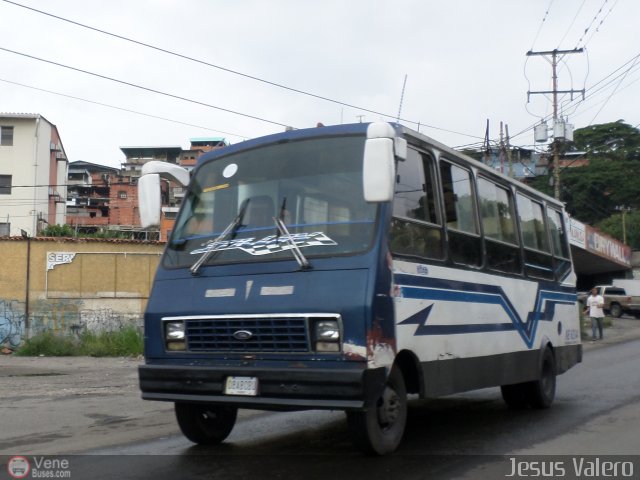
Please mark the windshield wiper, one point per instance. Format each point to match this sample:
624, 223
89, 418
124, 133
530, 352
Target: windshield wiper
282, 230
214, 247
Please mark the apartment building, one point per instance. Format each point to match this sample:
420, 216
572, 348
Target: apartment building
33, 174
103, 198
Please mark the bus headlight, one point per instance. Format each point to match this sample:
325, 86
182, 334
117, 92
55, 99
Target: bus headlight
174, 336
327, 336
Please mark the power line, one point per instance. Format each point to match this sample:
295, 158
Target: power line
544, 19
235, 72
148, 89
615, 89
590, 91
593, 20
572, 22
122, 108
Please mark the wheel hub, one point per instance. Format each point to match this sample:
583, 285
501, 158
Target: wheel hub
389, 408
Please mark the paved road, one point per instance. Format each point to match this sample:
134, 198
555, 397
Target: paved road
596, 412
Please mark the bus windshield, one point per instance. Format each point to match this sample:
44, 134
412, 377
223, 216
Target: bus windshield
314, 186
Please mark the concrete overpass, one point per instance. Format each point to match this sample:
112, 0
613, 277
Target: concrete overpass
597, 257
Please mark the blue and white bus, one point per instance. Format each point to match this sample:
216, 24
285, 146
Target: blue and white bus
346, 267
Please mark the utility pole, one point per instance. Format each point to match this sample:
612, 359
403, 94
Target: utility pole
509, 158
501, 149
554, 66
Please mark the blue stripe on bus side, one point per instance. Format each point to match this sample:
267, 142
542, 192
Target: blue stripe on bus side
426, 288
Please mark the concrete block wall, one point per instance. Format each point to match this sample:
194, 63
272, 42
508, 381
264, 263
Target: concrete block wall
71, 285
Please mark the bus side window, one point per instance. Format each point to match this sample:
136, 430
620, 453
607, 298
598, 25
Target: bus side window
559, 243
465, 246
415, 228
499, 227
538, 261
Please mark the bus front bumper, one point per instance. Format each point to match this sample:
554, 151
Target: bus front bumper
278, 388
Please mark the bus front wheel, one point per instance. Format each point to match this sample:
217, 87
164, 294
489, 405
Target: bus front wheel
205, 424
379, 429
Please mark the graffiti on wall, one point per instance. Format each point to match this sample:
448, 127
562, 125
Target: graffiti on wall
70, 316
11, 322
63, 316
102, 320
57, 316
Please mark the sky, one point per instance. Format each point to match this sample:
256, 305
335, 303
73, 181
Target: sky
444, 68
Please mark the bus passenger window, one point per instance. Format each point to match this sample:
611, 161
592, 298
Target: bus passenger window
538, 261
499, 228
559, 243
415, 229
465, 246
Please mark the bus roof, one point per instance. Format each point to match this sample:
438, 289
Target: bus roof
361, 129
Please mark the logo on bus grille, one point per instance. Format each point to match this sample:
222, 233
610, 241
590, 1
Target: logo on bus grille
243, 335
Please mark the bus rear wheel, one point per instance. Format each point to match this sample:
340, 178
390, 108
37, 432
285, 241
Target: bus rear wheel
538, 393
543, 390
205, 424
379, 429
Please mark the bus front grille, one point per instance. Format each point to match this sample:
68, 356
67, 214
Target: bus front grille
250, 334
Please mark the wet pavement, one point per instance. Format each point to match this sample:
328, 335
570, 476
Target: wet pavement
71, 404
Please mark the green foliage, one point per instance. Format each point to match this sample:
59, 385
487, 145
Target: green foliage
614, 138
595, 193
70, 231
613, 226
49, 345
121, 343
58, 231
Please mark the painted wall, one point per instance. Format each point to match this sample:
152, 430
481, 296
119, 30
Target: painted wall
34, 166
67, 286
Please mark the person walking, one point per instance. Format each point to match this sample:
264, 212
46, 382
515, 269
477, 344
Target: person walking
594, 306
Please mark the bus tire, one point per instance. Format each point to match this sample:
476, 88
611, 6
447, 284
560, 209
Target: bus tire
378, 430
516, 396
205, 424
543, 390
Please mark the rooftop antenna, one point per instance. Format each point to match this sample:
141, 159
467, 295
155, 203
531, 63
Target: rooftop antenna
404, 84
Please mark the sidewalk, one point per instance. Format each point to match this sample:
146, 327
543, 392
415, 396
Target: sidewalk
622, 329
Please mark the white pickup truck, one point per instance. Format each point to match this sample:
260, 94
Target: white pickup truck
616, 300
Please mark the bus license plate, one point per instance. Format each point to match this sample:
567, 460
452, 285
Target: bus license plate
241, 386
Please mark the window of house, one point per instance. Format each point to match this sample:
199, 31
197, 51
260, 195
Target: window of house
122, 194
5, 184
5, 229
6, 136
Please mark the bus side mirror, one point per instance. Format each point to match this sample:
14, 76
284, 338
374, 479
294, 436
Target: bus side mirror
149, 201
379, 171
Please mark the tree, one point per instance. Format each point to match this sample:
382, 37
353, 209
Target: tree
594, 193
613, 226
614, 139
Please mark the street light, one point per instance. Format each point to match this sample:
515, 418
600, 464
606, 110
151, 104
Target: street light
624, 209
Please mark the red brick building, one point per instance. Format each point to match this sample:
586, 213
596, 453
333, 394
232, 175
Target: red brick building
106, 198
